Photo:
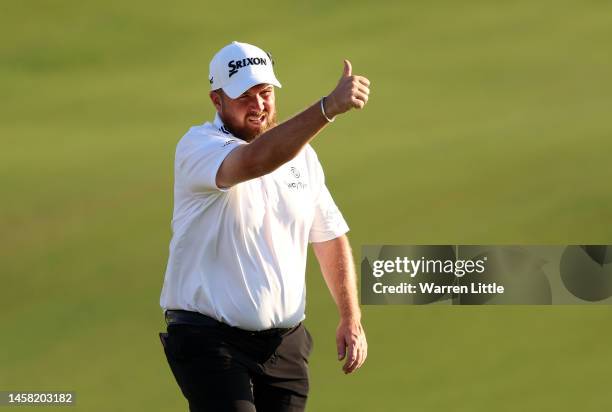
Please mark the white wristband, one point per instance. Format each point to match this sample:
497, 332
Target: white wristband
323, 112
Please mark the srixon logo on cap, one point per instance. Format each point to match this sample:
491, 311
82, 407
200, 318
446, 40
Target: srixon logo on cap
235, 65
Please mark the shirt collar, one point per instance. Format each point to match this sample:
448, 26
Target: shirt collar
220, 126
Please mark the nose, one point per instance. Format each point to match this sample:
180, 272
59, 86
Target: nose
258, 103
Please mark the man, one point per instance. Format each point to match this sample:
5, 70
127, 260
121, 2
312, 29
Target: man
249, 196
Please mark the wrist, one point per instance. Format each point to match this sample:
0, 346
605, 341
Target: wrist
328, 107
352, 317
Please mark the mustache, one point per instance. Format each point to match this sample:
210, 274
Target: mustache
257, 114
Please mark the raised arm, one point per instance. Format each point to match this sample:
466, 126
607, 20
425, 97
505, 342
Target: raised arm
283, 142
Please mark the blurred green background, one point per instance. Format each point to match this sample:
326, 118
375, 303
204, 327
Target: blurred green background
488, 123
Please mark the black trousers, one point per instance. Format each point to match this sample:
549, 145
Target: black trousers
220, 368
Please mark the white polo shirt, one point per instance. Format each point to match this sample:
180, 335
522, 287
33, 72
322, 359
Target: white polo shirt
239, 254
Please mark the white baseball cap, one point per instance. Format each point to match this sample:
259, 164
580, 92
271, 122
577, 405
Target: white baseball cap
239, 66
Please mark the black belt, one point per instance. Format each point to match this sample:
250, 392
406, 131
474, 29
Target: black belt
185, 317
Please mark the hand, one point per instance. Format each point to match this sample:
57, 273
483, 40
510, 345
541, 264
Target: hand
351, 92
352, 344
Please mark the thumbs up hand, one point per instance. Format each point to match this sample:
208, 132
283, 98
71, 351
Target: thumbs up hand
351, 92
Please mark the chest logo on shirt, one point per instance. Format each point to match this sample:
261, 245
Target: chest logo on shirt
295, 184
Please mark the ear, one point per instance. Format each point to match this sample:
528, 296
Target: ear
216, 100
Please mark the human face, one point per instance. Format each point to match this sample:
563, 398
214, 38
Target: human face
250, 114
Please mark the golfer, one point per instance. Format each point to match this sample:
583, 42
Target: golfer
249, 196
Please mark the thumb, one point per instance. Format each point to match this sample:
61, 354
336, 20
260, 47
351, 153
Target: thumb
348, 69
341, 348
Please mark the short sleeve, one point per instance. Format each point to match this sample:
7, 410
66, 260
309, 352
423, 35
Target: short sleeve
198, 158
328, 222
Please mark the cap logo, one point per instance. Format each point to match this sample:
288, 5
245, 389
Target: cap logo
235, 65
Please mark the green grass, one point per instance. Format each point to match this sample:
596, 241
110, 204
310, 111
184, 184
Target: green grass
488, 123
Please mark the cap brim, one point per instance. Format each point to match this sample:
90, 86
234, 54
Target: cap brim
236, 88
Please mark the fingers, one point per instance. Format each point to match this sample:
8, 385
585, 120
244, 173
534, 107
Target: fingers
364, 353
360, 92
356, 358
363, 80
356, 354
359, 100
341, 346
363, 89
348, 69
357, 103
351, 359
360, 95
